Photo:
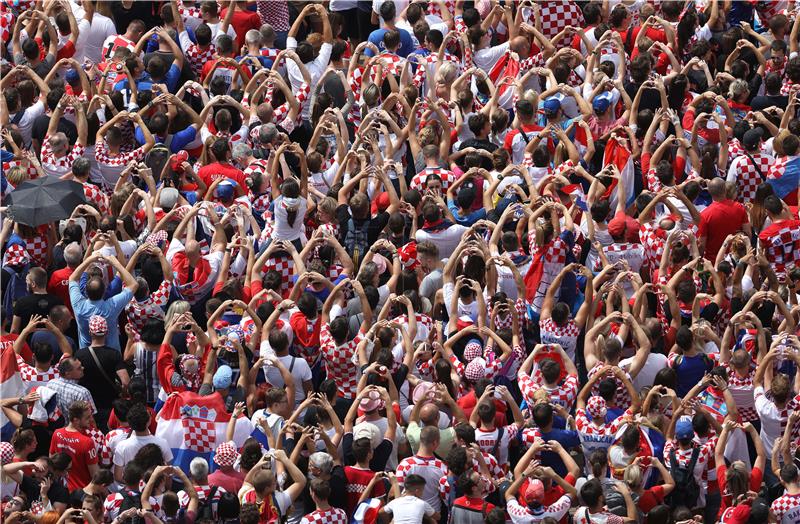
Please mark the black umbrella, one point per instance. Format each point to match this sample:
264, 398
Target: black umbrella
44, 200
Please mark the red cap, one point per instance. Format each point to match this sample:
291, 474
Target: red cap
177, 159
381, 204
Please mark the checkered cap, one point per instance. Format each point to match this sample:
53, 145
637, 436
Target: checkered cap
98, 325
17, 256
6, 453
472, 351
157, 239
596, 407
226, 454
475, 370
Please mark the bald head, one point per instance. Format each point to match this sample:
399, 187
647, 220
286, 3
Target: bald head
192, 250
429, 414
73, 254
265, 112
716, 188
521, 46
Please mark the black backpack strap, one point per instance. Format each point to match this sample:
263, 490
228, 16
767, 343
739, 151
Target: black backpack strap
18, 117
693, 461
673, 460
755, 164
496, 446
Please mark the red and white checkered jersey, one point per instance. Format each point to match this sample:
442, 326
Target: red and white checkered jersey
555, 16
742, 390
113, 504
95, 195
486, 440
743, 172
32, 377
595, 437
392, 64
684, 456
340, 361
327, 516
563, 394
554, 256
114, 42
566, 336
781, 243
196, 55
787, 509
112, 438
60, 166
152, 307
111, 166
36, 247
431, 469
653, 239
418, 182
622, 399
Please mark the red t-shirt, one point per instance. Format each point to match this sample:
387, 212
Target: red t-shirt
59, 285
242, 22
83, 452
651, 498
468, 402
357, 481
7, 344
212, 172
719, 220
756, 476
475, 504
230, 482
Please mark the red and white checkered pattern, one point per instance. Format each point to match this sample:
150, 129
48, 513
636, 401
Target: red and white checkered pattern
564, 394
139, 312
555, 16
782, 247
684, 456
622, 399
339, 361
113, 437
203, 491
566, 336
328, 516
418, 182
114, 42
95, 195
274, 13
37, 249
198, 57
6, 23
742, 389
32, 377
284, 266
112, 166
199, 434
113, 504
787, 86
747, 176
785, 504
585, 426
59, 166
653, 239
554, 257
431, 469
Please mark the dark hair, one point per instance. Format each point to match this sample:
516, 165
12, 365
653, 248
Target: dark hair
138, 417
591, 492
542, 415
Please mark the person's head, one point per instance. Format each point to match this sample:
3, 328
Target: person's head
36, 280
362, 450
739, 90
716, 188
264, 483
790, 145
551, 370
80, 415
70, 368
789, 474
780, 388
414, 484
320, 491
429, 437
592, 494
773, 205
388, 12
24, 442
221, 150
138, 417
543, 415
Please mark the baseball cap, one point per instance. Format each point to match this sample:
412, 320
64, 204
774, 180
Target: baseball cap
367, 430
617, 225
225, 189
534, 492
683, 429
169, 197
72, 77
551, 105
222, 377
752, 137
98, 325
601, 103
226, 454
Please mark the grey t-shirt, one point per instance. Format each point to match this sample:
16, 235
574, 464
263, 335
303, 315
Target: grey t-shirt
430, 284
42, 68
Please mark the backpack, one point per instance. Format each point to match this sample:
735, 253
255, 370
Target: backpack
157, 158
356, 242
205, 510
15, 288
131, 499
687, 491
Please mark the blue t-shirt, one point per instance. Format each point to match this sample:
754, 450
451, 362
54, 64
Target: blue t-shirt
568, 439
109, 309
177, 141
406, 42
690, 372
465, 220
145, 83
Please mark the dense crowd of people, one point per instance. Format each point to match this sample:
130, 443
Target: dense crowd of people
416, 261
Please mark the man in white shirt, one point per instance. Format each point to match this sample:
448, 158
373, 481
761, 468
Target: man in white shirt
90, 41
409, 508
138, 420
441, 232
315, 65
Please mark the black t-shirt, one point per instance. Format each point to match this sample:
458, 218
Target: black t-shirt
58, 491
477, 143
35, 304
651, 99
42, 122
380, 455
374, 225
765, 101
102, 391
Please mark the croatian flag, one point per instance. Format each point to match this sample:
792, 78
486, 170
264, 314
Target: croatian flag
194, 425
11, 385
367, 512
576, 190
619, 155
506, 66
784, 177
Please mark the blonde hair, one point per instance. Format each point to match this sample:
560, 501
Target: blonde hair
447, 73
633, 476
328, 206
17, 175
176, 308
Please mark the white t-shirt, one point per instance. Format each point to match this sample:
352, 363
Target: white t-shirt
447, 239
101, 28
126, 449
655, 362
770, 416
283, 231
299, 370
408, 509
25, 124
315, 69
487, 57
